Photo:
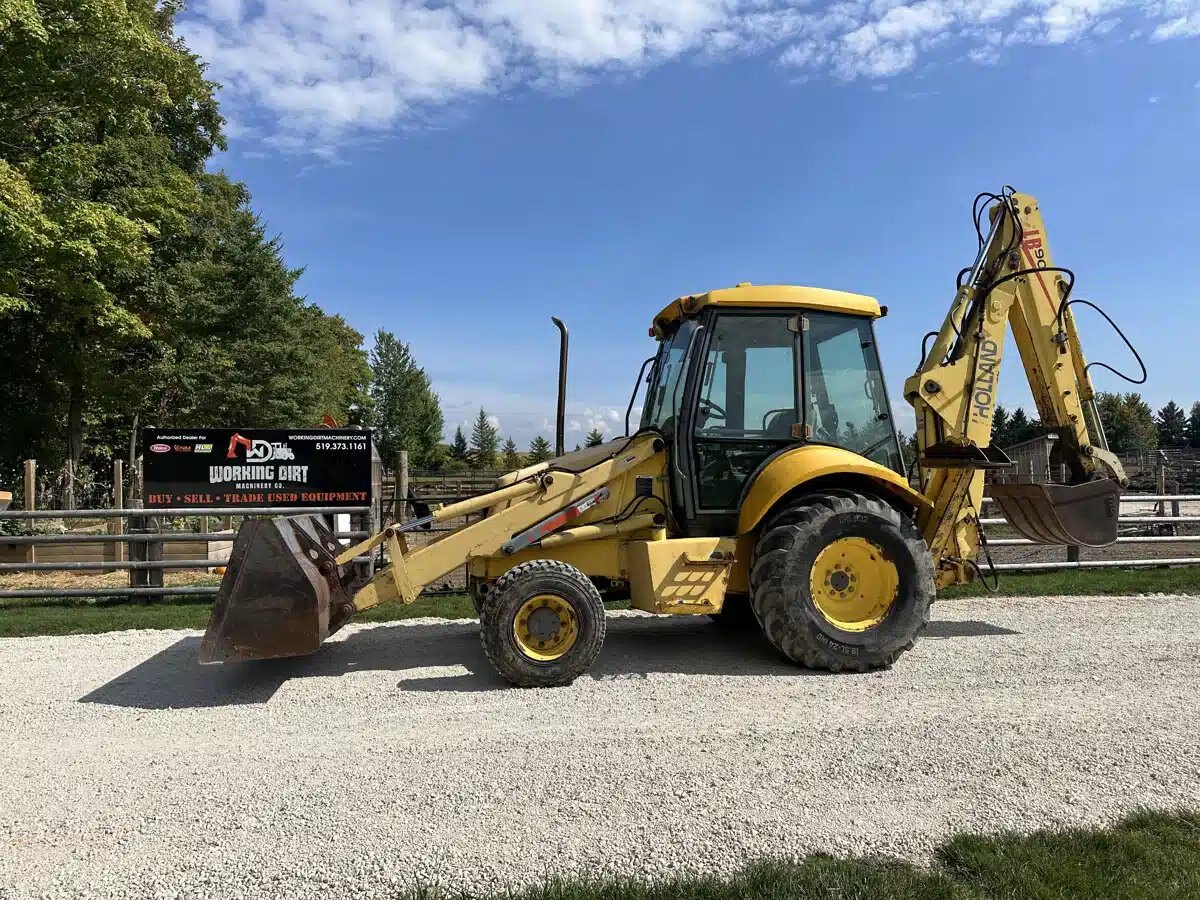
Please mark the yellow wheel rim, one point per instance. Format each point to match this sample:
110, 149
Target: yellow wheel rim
853, 583
545, 627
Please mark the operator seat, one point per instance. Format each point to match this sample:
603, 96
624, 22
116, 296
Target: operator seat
780, 424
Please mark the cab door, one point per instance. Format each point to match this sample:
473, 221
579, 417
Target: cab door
743, 405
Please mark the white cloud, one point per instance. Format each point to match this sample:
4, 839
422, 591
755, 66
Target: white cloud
309, 74
1182, 26
1153, 99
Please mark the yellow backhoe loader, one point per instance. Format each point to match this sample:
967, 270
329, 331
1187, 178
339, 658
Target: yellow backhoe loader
765, 476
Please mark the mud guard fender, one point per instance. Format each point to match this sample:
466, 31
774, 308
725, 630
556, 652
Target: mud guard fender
791, 469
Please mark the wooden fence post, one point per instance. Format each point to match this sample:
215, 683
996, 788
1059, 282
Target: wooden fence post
117, 526
31, 502
1160, 484
401, 485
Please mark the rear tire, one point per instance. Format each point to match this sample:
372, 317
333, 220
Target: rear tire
842, 582
543, 624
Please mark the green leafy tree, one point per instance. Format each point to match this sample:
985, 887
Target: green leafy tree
460, 451
132, 281
1193, 425
510, 455
484, 440
407, 414
235, 344
1128, 422
539, 450
344, 374
594, 438
1172, 425
106, 122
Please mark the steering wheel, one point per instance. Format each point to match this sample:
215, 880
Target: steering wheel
710, 410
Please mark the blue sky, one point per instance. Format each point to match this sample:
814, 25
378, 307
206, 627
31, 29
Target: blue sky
459, 172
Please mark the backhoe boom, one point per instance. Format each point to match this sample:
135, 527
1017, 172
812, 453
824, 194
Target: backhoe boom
953, 392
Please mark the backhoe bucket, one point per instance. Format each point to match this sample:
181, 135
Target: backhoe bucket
281, 594
1080, 514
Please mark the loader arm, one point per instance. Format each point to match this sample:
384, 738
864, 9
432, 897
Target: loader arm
290, 584
953, 393
551, 498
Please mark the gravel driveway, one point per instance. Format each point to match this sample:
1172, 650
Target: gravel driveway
395, 755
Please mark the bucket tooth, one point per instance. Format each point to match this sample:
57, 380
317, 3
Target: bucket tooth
281, 594
1081, 514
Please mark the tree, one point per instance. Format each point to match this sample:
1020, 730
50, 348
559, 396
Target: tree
1001, 427
539, 451
595, 438
1021, 427
459, 451
106, 123
1193, 425
1171, 423
407, 413
133, 283
233, 344
484, 439
511, 456
1128, 422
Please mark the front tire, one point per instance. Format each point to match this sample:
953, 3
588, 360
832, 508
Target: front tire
543, 624
842, 582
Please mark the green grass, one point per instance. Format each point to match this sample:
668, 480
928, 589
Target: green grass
1148, 856
26, 618
1086, 582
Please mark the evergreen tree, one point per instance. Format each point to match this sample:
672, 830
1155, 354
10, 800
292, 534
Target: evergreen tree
484, 439
1171, 423
1128, 422
539, 450
595, 438
1020, 427
407, 413
510, 455
1001, 427
459, 451
1193, 425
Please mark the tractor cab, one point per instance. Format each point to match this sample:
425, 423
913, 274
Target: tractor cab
745, 373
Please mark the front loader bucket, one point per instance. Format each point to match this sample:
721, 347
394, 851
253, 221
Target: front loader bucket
1080, 514
281, 594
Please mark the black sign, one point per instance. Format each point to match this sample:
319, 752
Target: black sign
255, 467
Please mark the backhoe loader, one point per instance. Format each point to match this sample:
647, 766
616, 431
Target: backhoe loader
765, 476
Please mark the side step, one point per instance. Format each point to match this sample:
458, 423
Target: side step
1082, 514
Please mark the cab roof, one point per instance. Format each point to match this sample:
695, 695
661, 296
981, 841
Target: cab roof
766, 295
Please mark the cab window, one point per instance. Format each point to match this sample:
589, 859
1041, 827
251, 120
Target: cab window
845, 402
746, 406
